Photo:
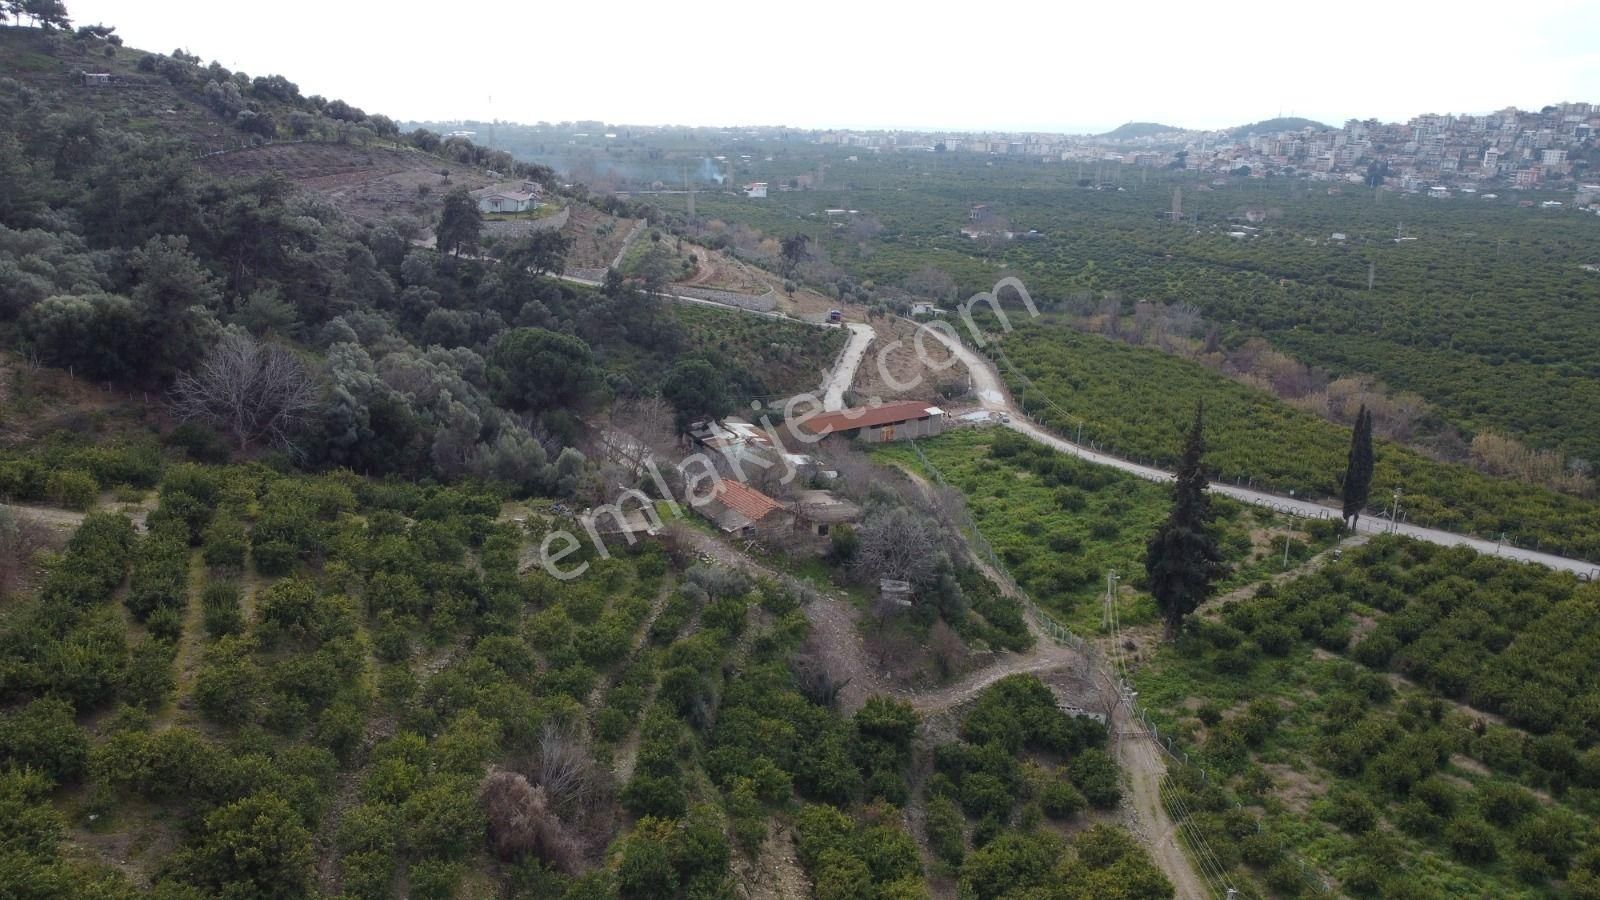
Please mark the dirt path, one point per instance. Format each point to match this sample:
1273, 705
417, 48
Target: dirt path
1144, 769
633, 234
776, 872
834, 624
63, 519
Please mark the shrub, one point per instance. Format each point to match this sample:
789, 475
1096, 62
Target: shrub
1094, 773
1471, 839
275, 558
220, 608
149, 680
225, 542
1351, 811
73, 489
1275, 639
43, 736
521, 823
946, 830
1060, 800
661, 796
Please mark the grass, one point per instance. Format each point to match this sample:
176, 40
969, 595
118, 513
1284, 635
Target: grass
1059, 524
1132, 401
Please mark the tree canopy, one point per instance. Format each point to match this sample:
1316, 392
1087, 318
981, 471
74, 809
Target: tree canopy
1182, 558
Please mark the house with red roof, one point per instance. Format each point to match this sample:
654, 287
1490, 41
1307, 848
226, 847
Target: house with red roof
738, 508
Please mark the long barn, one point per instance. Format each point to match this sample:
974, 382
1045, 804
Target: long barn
878, 424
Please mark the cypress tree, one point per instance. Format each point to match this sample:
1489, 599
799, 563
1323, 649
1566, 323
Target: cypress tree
1358, 471
1182, 559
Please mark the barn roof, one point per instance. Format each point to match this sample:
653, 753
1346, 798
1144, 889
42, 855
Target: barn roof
744, 499
867, 417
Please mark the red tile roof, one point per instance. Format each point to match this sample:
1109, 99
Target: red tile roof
744, 500
865, 417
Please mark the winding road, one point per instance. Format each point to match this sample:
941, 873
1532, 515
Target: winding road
990, 389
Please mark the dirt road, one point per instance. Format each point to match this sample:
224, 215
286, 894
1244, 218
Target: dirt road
1144, 768
844, 371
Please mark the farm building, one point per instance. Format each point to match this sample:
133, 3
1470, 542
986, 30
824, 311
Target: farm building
737, 508
878, 424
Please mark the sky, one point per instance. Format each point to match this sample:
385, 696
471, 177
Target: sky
1013, 65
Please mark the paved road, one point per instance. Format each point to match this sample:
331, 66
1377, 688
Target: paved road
991, 393
844, 371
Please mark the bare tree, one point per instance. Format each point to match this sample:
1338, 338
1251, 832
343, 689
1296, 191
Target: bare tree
251, 391
896, 543
21, 541
566, 772
818, 673
521, 822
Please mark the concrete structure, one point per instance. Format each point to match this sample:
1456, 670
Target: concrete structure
878, 424
819, 512
756, 190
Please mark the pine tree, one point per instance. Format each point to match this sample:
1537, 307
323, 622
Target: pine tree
1358, 471
1182, 559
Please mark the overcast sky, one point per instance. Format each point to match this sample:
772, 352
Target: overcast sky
1014, 64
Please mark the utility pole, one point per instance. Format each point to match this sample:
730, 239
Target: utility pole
1108, 611
1286, 536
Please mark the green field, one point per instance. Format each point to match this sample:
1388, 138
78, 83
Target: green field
1058, 524
1133, 401
1396, 786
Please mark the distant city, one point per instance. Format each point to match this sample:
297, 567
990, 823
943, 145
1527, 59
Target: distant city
1553, 150
1548, 149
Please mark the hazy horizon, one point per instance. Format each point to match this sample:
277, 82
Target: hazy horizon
852, 67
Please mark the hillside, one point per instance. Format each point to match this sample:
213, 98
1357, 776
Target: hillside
1135, 130
279, 614
1271, 126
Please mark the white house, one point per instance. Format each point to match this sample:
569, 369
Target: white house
509, 198
756, 190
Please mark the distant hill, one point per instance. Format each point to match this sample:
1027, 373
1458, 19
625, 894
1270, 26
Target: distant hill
1135, 130
1282, 123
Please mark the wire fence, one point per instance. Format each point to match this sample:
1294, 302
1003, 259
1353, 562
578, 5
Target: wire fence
1213, 872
